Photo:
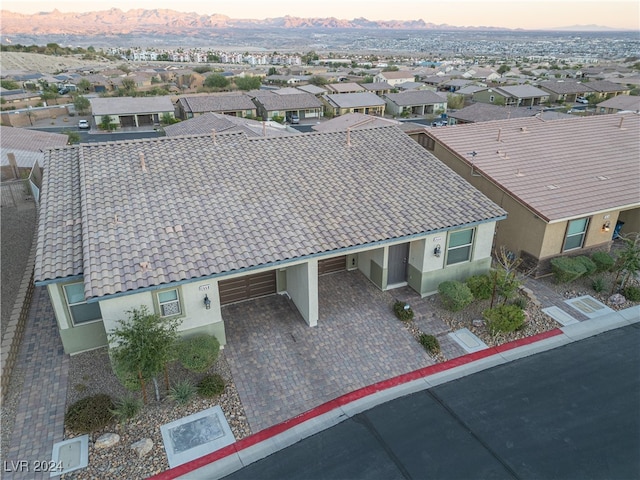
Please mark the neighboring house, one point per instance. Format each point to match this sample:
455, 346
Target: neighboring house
393, 78
217, 123
416, 102
604, 89
236, 104
20, 98
619, 103
270, 104
379, 88
342, 103
21, 148
567, 185
485, 112
312, 89
344, 87
516, 95
130, 224
484, 74
131, 111
564, 90
352, 121
455, 84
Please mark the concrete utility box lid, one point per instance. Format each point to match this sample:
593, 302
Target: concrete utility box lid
467, 340
72, 454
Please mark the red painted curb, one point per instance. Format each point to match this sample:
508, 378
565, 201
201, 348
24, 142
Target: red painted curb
345, 400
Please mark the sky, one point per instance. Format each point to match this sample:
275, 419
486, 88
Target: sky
527, 14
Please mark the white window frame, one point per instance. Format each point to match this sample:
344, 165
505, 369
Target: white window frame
457, 247
177, 300
582, 234
70, 306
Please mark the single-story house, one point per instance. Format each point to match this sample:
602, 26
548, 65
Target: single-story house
366, 102
312, 89
352, 121
208, 123
235, 104
568, 185
344, 87
603, 89
379, 88
131, 111
393, 78
619, 103
270, 104
516, 95
486, 112
565, 90
21, 148
416, 102
185, 225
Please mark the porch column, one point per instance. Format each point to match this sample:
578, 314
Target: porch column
302, 286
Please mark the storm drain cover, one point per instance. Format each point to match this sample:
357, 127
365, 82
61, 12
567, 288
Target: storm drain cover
196, 435
467, 340
70, 455
560, 316
589, 306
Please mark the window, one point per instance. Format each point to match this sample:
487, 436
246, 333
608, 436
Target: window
459, 249
81, 311
576, 231
169, 303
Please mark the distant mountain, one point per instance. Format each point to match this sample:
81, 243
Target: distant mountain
164, 22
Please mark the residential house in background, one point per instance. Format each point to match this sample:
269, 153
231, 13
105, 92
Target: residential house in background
234, 104
604, 89
394, 78
344, 87
341, 103
486, 112
565, 90
568, 185
619, 103
516, 95
21, 148
379, 88
131, 111
417, 102
351, 121
273, 104
133, 223
220, 124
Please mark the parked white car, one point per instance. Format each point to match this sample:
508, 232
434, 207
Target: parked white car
83, 124
582, 100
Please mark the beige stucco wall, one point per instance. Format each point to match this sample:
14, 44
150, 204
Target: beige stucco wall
302, 287
631, 219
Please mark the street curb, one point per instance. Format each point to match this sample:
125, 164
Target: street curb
270, 440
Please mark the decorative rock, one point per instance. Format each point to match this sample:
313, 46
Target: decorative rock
107, 440
478, 322
617, 299
142, 447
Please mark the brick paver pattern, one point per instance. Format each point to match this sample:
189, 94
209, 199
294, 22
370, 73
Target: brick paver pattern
39, 421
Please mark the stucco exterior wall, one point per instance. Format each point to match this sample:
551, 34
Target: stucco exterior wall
631, 219
302, 281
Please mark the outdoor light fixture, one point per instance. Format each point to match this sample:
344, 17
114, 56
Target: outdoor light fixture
207, 302
437, 250
606, 227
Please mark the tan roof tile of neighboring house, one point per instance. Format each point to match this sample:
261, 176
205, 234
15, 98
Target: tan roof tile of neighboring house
130, 105
27, 144
216, 103
354, 100
273, 102
353, 121
415, 97
197, 207
604, 86
622, 102
485, 112
560, 169
563, 87
206, 123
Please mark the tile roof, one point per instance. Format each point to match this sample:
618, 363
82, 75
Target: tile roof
377, 86
565, 86
395, 75
415, 97
559, 169
344, 87
196, 208
354, 100
274, 102
216, 103
353, 121
27, 145
622, 102
604, 86
485, 112
522, 91
130, 105
204, 124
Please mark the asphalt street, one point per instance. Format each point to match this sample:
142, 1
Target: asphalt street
568, 413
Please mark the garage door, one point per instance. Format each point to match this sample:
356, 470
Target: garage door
332, 265
249, 286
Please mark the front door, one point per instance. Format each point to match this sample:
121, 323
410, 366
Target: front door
398, 262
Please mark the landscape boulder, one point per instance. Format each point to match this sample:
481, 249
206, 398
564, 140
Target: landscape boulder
142, 447
107, 440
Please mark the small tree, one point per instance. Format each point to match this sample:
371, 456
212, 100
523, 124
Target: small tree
248, 83
216, 80
81, 104
107, 124
455, 101
144, 345
318, 81
168, 119
84, 85
74, 137
628, 260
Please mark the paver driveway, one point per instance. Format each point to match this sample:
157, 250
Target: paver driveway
282, 367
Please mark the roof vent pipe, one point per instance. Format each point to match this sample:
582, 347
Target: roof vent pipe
499, 133
621, 120
143, 165
264, 129
349, 137
213, 135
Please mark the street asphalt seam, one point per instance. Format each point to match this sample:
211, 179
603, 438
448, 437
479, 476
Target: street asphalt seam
364, 420
479, 439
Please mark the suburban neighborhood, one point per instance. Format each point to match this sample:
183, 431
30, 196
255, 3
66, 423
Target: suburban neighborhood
260, 236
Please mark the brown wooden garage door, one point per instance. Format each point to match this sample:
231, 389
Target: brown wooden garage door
249, 286
332, 265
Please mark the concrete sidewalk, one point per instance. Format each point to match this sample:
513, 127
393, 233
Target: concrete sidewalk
262, 444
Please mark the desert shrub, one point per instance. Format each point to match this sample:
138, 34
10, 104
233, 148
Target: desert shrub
127, 408
455, 295
598, 284
481, 286
588, 264
520, 302
211, 386
504, 319
567, 269
632, 293
404, 314
128, 379
182, 392
198, 353
603, 260
89, 414
430, 343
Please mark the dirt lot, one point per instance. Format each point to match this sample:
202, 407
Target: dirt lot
14, 62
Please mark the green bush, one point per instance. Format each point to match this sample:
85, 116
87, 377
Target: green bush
567, 269
603, 260
182, 392
430, 343
128, 379
127, 408
455, 295
89, 414
403, 314
481, 286
198, 353
588, 264
520, 302
505, 318
598, 284
211, 386
631, 293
